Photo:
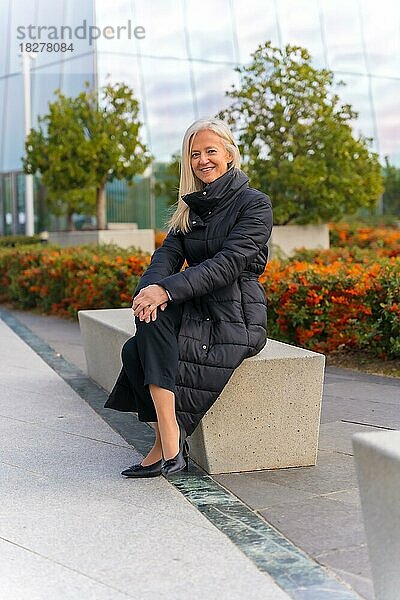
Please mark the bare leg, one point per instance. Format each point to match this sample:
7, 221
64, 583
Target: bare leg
164, 402
155, 453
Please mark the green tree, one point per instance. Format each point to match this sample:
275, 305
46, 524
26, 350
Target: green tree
391, 195
82, 143
168, 186
297, 141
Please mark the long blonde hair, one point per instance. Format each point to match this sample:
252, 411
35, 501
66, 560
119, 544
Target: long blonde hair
188, 180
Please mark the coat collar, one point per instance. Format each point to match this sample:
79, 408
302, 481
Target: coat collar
216, 193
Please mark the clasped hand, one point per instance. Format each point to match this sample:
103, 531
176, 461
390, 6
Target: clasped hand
145, 304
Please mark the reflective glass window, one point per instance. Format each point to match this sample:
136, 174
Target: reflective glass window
209, 30
343, 36
386, 93
163, 24
356, 93
169, 103
255, 26
212, 81
4, 48
13, 143
382, 37
300, 25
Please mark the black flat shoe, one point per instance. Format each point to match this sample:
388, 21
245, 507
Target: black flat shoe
180, 462
139, 470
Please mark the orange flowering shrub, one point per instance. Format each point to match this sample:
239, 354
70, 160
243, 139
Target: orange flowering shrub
61, 281
326, 307
342, 298
159, 238
351, 254
374, 238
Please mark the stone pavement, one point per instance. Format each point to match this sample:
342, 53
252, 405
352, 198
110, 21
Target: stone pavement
316, 508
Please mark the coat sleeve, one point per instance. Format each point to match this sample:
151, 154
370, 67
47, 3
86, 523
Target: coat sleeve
166, 260
247, 238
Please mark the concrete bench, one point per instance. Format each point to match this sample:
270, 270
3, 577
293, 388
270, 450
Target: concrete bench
267, 416
377, 457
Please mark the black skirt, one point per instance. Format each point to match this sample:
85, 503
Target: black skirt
150, 356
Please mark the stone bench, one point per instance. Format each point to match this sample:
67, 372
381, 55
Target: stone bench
267, 416
377, 457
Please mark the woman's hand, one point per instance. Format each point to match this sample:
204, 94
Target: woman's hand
146, 302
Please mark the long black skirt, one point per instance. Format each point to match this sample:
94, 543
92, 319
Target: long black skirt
150, 356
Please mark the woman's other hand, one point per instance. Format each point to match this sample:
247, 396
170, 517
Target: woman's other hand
146, 302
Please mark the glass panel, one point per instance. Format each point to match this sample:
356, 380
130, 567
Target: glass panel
387, 107
43, 87
382, 39
163, 21
209, 28
75, 72
4, 43
117, 67
22, 16
254, 26
3, 86
212, 81
356, 93
343, 36
169, 104
300, 25
14, 125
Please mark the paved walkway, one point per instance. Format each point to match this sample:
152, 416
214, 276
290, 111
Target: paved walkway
315, 508
72, 527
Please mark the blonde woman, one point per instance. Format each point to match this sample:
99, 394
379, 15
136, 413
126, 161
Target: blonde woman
195, 326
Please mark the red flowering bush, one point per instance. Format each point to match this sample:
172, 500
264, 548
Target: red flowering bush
61, 281
335, 306
384, 240
347, 297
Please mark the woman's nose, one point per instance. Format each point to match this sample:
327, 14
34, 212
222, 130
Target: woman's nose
203, 159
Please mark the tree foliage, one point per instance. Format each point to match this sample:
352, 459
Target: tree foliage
297, 141
169, 185
82, 143
391, 195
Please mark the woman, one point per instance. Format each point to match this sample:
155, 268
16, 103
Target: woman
194, 327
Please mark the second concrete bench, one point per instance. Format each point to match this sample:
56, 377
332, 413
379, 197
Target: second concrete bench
267, 416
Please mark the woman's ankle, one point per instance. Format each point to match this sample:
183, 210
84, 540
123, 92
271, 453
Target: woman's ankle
153, 456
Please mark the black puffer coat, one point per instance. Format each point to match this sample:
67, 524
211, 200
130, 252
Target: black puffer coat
225, 312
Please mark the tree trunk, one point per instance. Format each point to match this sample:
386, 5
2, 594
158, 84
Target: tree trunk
101, 207
70, 223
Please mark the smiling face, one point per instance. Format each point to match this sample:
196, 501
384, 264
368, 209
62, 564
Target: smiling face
209, 157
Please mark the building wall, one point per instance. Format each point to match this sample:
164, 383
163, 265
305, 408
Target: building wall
182, 68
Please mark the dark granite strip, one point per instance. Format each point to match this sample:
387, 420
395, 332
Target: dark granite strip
295, 572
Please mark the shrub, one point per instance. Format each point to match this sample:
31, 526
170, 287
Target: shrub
61, 281
345, 235
343, 298
336, 306
19, 240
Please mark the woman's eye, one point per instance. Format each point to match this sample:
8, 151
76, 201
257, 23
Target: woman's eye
212, 150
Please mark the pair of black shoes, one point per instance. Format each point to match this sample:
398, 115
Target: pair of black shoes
179, 463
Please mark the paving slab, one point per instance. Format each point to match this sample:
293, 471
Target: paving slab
64, 334
352, 402
66, 510
365, 412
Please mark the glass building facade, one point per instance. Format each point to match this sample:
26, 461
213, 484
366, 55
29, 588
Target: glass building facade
184, 62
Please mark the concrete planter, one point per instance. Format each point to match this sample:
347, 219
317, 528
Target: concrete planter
377, 458
141, 238
286, 238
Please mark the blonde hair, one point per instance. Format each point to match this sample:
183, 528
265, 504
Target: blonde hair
188, 180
